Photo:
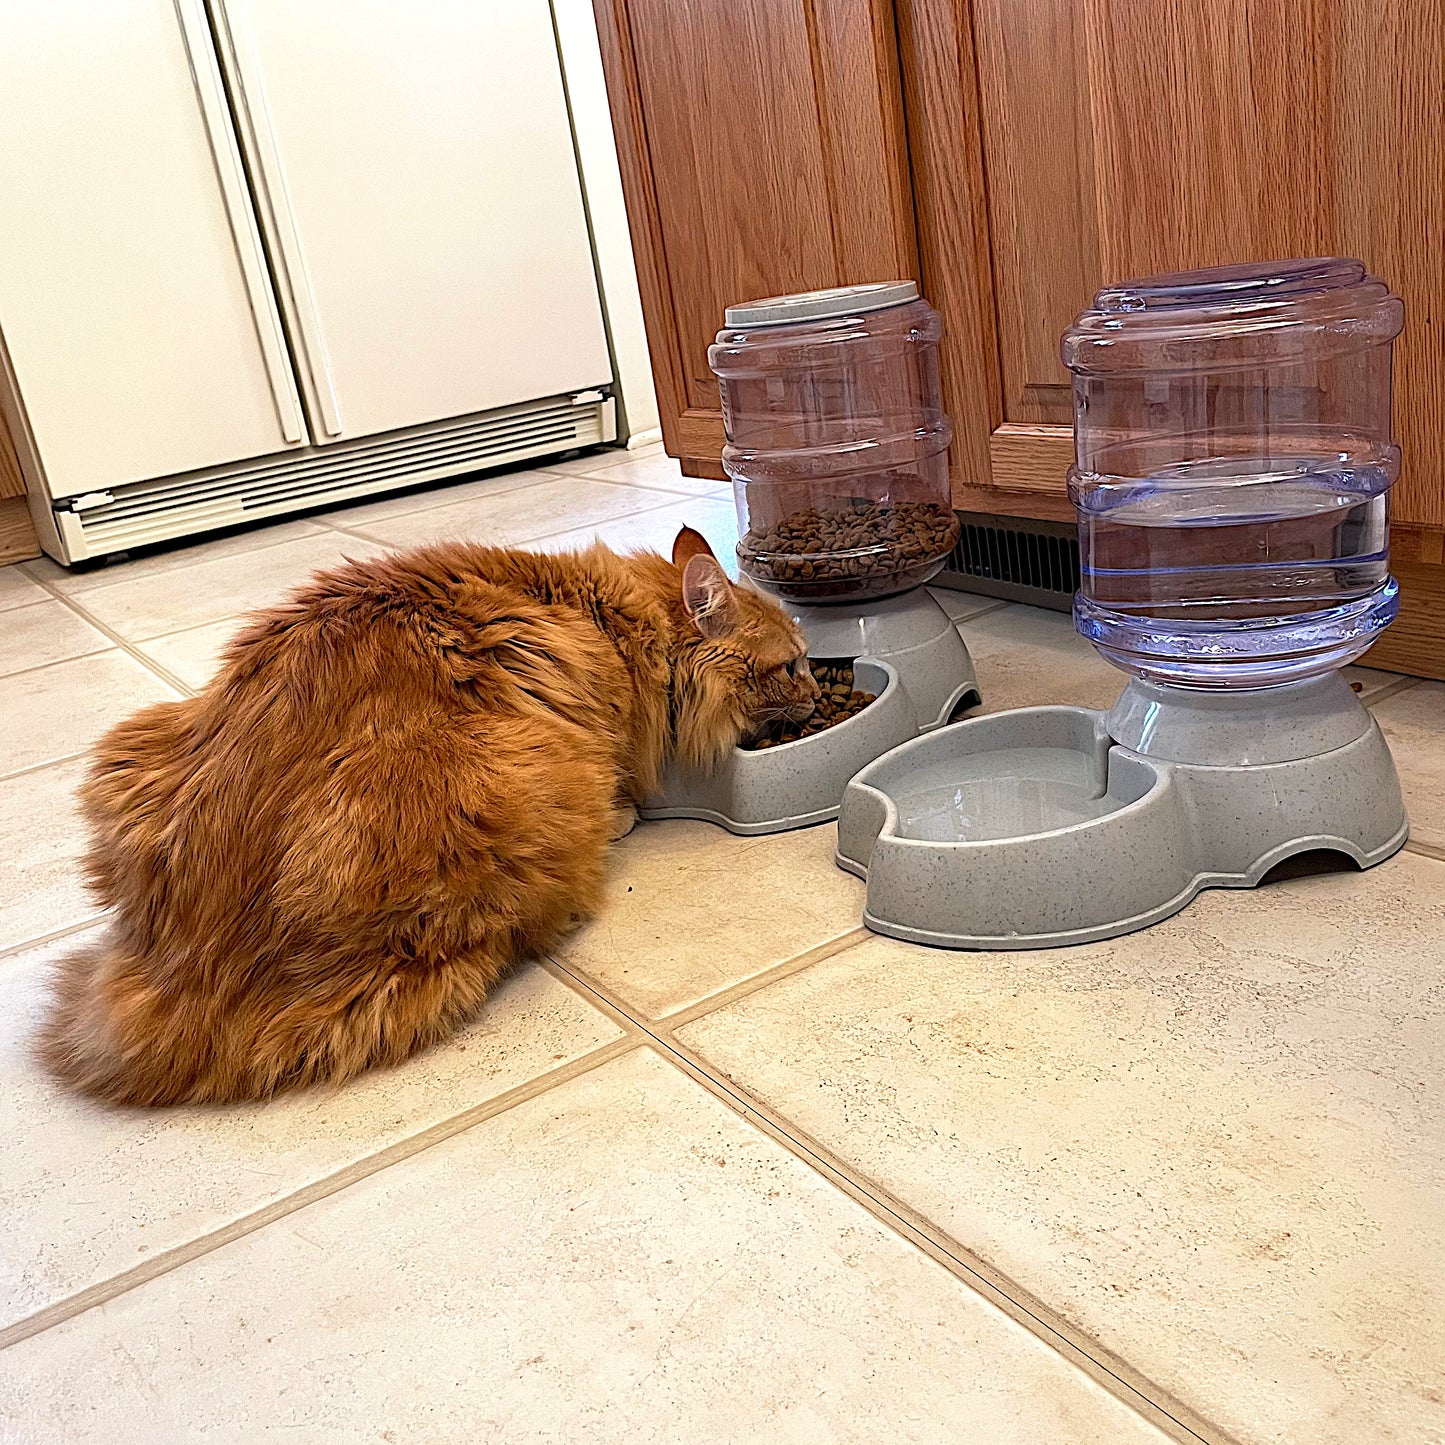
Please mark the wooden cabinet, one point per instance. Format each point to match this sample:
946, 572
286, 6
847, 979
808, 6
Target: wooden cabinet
1015, 155
763, 151
17, 531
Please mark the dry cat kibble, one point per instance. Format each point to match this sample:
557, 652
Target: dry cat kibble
838, 703
855, 547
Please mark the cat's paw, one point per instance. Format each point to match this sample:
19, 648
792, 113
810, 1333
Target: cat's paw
624, 820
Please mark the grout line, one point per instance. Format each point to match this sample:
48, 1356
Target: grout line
439, 496
318, 1189
23, 572
257, 529
1113, 1374
436, 494
13, 949
357, 535
1388, 689
48, 763
641, 486
124, 643
598, 997
745, 988
974, 616
724, 996
21, 606
57, 661
236, 619
1426, 850
671, 501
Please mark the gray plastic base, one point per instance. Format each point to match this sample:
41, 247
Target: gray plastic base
1056, 825
795, 784
906, 650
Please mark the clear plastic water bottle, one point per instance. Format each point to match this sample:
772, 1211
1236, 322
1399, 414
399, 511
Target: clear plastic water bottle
1233, 463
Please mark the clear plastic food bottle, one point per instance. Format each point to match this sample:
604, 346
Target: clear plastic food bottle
1233, 462
837, 443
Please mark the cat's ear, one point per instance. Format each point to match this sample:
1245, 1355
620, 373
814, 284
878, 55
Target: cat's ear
708, 596
689, 544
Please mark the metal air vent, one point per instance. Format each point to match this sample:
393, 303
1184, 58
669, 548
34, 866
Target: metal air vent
1017, 558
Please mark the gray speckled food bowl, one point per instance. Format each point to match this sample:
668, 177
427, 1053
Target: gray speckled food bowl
794, 784
1058, 825
906, 650
911, 632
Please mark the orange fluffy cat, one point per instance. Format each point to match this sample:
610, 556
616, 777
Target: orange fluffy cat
401, 782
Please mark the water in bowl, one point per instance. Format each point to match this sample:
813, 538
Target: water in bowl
1235, 572
976, 797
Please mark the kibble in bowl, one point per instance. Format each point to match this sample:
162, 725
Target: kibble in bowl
840, 701
856, 548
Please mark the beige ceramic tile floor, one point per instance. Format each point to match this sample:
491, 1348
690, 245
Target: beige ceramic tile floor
728, 1168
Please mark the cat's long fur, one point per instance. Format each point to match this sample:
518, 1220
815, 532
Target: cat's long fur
400, 783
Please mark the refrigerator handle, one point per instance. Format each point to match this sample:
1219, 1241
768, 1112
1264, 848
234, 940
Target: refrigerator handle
269, 176
206, 80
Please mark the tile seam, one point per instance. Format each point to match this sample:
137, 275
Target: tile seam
1153, 1403
199, 540
355, 1172
41, 767
21, 606
671, 501
439, 491
1386, 690
13, 950
1146, 1399
640, 486
109, 646
982, 611
130, 648
840, 942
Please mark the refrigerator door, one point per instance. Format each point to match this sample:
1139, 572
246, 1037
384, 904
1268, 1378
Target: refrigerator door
415, 173
139, 322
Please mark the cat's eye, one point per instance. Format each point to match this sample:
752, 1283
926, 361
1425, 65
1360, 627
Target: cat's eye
797, 667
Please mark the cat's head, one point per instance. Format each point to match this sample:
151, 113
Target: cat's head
742, 665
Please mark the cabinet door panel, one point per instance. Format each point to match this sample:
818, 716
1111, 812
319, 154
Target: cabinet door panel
1382, 128
762, 151
1043, 231
133, 297
1128, 136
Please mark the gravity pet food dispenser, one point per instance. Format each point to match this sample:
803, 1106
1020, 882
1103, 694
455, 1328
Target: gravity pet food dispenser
1233, 465
837, 446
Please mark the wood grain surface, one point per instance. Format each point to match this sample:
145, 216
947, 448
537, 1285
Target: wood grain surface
763, 151
1124, 137
17, 531
940, 89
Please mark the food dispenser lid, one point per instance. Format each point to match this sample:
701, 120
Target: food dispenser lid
821, 305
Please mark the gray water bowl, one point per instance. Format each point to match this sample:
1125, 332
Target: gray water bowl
1041, 827
794, 784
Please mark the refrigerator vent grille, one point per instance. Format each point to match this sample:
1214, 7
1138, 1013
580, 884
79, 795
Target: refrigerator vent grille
152, 511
